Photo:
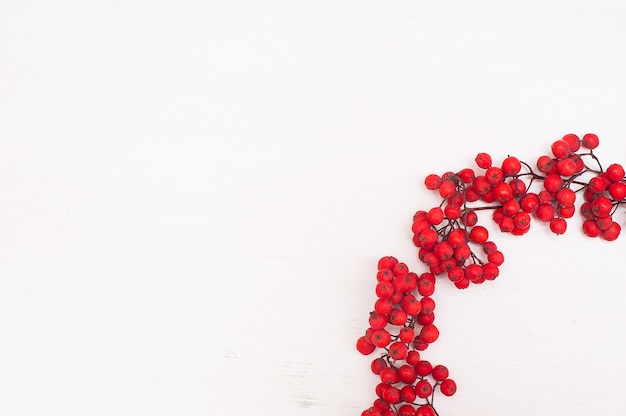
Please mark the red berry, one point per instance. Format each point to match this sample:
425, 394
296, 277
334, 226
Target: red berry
612, 232
573, 141
381, 338
406, 410
496, 257
429, 333
425, 410
494, 175
518, 187
447, 188
510, 207
560, 149
601, 206
552, 183
377, 365
423, 389
615, 172
479, 234
466, 175
597, 185
440, 372
511, 166
617, 191
483, 160
502, 192
389, 375
412, 358
423, 368
566, 167
432, 181
384, 289
398, 350
470, 218
406, 335
383, 306
591, 229
448, 387
530, 202
545, 164
590, 141
545, 212
391, 395
558, 225
435, 216
364, 347
397, 317
566, 196
387, 262
521, 220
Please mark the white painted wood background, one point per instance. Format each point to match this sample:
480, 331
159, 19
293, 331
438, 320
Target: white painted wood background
195, 195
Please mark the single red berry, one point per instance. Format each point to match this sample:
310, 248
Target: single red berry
573, 141
479, 234
473, 272
423, 389
470, 218
480, 185
566, 211
423, 368
545, 212
387, 262
377, 365
521, 220
510, 207
565, 196
397, 317
407, 393
462, 284
597, 185
383, 306
448, 387
384, 275
617, 191
552, 183
400, 270
429, 333
560, 149
435, 216
612, 232
518, 187
455, 274
428, 304
398, 350
511, 166
558, 225
452, 212
490, 270
381, 338
425, 287
412, 358
406, 335
425, 318
590, 141
446, 188
461, 254
406, 410
440, 372
432, 182
545, 164
530, 203
615, 172
391, 395
496, 258
377, 321
389, 375
502, 192
428, 239
601, 206
483, 160
467, 175
364, 347
566, 167
410, 304
425, 410
494, 175
506, 224
384, 289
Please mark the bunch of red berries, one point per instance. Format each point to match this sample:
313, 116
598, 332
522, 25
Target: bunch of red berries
403, 324
451, 241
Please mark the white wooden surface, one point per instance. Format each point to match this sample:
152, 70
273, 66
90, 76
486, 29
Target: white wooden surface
195, 195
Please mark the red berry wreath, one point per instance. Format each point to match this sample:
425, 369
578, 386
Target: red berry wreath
451, 243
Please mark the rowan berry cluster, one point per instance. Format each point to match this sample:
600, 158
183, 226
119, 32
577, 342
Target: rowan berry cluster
403, 325
451, 242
